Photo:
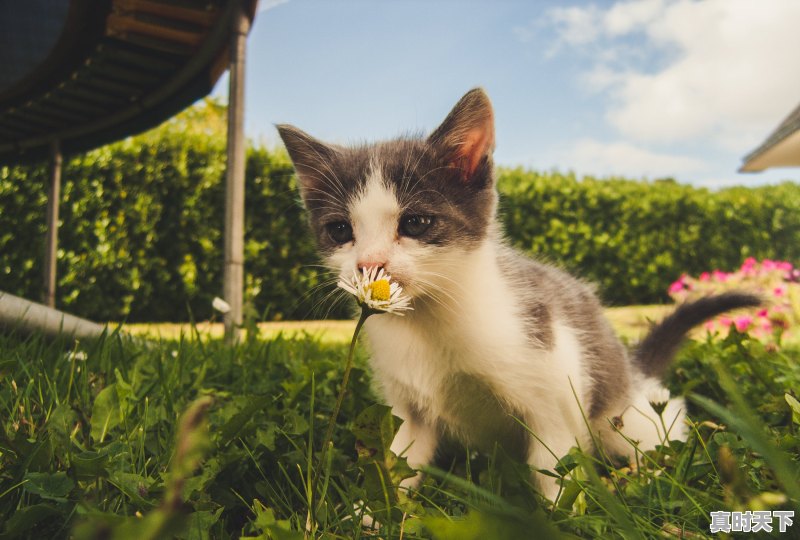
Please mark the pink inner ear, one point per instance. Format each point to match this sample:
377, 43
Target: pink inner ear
477, 144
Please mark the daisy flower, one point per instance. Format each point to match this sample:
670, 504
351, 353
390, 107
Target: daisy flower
220, 305
81, 356
658, 397
375, 291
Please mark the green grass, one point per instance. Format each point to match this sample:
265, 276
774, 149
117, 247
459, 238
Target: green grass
188, 438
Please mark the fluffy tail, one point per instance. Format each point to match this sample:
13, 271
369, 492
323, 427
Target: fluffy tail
655, 352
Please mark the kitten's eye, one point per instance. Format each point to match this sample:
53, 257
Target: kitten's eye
340, 231
414, 226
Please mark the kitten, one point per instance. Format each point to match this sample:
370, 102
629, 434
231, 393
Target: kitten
494, 336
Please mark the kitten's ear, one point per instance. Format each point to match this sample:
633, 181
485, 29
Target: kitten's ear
467, 134
310, 156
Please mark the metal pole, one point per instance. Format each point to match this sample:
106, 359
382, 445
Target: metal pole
19, 314
51, 242
233, 275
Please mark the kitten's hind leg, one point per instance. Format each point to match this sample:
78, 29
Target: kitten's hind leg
652, 418
544, 454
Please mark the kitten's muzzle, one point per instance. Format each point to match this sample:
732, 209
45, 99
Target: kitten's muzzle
369, 265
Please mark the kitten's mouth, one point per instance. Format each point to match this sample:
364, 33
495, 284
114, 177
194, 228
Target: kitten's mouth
409, 288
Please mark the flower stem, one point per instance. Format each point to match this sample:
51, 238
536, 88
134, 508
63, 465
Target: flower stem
665, 442
345, 378
326, 445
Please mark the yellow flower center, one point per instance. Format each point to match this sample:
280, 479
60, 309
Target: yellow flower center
380, 290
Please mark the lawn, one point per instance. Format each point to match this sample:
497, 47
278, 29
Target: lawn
185, 437
630, 322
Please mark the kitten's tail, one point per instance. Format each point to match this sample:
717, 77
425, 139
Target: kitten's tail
655, 352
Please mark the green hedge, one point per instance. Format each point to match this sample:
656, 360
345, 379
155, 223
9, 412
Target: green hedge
141, 228
633, 238
141, 234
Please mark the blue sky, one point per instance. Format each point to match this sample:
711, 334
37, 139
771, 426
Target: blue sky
641, 88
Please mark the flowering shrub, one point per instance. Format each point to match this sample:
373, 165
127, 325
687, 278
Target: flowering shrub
778, 282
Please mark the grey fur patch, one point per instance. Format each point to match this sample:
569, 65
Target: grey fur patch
539, 325
545, 289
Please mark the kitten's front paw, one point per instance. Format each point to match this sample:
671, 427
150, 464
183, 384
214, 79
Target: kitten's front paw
367, 519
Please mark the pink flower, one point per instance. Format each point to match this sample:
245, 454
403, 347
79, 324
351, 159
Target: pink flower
720, 276
679, 285
773, 278
743, 322
749, 266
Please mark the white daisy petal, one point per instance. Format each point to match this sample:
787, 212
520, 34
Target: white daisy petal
363, 285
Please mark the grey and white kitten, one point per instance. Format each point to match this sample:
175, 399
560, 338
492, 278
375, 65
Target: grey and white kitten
494, 336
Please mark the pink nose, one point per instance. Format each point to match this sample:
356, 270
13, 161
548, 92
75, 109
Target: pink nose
370, 264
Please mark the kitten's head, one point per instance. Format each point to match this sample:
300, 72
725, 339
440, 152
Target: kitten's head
413, 206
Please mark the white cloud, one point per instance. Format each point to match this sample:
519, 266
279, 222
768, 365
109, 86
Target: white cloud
266, 5
626, 17
576, 25
625, 159
728, 70
602, 77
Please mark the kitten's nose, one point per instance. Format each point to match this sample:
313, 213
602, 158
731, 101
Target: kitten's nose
369, 265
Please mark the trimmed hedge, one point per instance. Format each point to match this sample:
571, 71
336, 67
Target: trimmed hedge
141, 228
141, 234
633, 238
